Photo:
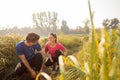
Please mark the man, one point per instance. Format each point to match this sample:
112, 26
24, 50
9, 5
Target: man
29, 54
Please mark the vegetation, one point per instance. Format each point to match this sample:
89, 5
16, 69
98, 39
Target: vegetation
8, 57
45, 23
111, 23
90, 57
98, 59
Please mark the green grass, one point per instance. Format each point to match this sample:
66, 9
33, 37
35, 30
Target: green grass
8, 57
103, 64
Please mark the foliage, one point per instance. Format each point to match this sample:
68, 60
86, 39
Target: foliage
111, 23
64, 27
8, 57
45, 22
99, 57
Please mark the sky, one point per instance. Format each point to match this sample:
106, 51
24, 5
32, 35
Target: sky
19, 12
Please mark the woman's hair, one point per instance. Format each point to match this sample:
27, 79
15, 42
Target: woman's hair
32, 37
54, 35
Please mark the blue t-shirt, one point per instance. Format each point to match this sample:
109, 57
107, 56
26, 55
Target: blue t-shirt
29, 52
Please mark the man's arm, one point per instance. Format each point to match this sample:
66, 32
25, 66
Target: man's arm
25, 62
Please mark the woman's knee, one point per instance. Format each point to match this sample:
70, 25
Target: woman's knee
58, 53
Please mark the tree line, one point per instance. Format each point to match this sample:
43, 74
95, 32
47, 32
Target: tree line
46, 22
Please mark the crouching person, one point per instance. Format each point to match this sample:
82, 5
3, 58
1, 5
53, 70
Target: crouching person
29, 54
54, 49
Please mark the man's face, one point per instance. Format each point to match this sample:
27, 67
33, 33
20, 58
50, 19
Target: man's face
33, 43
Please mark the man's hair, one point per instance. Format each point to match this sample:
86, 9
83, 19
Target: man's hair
32, 37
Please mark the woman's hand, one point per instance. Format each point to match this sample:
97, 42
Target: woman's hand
64, 53
50, 57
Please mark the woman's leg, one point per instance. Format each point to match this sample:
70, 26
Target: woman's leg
58, 53
48, 62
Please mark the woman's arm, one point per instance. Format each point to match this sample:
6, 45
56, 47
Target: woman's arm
49, 56
63, 49
47, 52
64, 52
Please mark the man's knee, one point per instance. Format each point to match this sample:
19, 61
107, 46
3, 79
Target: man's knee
39, 61
39, 58
20, 69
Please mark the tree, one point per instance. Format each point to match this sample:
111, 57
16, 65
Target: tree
114, 23
64, 27
45, 22
111, 23
86, 26
106, 23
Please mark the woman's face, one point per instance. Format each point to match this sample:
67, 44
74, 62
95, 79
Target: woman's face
51, 38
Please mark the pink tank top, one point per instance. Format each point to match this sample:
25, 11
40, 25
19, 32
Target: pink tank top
51, 50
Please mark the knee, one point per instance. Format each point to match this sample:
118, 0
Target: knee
19, 72
58, 53
39, 58
47, 63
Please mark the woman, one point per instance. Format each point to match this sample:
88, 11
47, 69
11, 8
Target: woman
54, 49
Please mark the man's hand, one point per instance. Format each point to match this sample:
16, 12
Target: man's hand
33, 73
25, 62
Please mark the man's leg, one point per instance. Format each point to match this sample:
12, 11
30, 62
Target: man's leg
36, 62
20, 69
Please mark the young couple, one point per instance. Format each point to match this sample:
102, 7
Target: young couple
29, 54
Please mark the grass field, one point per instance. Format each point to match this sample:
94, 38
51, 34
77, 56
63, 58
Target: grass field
96, 59
8, 57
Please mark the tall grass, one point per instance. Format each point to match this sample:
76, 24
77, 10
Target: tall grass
99, 58
8, 57
70, 69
